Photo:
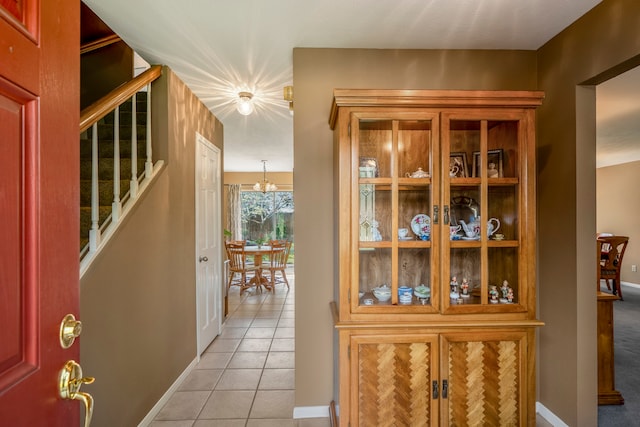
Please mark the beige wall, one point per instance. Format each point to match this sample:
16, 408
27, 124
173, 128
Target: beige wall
316, 73
138, 298
617, 210
589, 51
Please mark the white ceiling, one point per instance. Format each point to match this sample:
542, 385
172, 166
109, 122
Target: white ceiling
219, 48
618, 119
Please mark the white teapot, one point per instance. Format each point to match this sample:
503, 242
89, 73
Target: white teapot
473, 229
491, 228
418, 174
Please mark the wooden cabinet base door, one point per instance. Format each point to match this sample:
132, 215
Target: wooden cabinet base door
394, 377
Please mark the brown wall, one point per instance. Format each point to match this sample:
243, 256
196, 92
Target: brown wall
316, 73
617, 210
138, 298
589, 51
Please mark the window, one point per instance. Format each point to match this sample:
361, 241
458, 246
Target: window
267, 215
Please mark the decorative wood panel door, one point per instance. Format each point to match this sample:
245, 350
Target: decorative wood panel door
485, 375
39, 199
395, 377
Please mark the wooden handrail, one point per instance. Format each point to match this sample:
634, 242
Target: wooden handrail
109, 102
99, 44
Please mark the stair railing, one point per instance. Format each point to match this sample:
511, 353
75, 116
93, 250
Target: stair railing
99, 234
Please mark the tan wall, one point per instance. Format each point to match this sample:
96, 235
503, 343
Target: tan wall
316, 73
590, 50
617, 210
138, 298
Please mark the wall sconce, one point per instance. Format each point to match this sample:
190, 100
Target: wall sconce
245, 103
288, 96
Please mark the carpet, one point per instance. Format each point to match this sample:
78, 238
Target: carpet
626, 343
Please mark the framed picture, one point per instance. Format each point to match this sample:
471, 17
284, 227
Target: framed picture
368, 167
458, 165
494, 164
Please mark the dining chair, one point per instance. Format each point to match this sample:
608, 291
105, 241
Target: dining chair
278, 262
238, 266
610, 252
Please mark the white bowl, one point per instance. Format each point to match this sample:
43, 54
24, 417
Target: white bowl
382, 297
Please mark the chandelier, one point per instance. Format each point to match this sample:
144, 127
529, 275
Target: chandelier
264, 185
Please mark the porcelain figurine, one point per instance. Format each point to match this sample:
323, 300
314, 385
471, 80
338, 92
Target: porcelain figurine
504, 290
454, 288
464, 287
493, 294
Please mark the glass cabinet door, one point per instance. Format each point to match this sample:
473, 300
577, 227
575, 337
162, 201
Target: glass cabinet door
481, 206
395, 160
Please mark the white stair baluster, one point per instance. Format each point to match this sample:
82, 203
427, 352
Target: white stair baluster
94, 233
148, 166
134, 150
116, 206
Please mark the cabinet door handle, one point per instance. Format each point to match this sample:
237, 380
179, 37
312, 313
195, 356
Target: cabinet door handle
435, 214
446, 215
435, 389
445, 389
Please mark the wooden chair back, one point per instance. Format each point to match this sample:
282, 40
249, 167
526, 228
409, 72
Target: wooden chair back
610, 253
236, 255
279, 253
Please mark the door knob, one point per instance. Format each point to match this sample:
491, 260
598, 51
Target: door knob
70, 381
70, 329
204, 259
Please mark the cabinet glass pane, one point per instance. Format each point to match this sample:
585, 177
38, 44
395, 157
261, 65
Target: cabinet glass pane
503, 266
414, 270
414, 148
465, 271
414, 212
374, 148
464, 140
503, 213
375, 217
502, 150
464, 213
375, 271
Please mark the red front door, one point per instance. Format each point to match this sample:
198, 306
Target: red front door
39, 205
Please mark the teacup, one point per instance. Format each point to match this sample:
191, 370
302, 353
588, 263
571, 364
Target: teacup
453, 231
403, 233
498, 236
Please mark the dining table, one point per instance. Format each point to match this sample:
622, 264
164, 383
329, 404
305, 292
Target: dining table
257, 252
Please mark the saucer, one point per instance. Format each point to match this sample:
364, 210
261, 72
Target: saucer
470, 238
405, 238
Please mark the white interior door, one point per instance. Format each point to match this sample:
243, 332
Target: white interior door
208, 240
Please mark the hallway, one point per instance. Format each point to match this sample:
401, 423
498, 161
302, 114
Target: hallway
246, 376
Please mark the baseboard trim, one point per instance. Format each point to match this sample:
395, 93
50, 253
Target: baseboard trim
167, 395
310, 412
549, 416
633, 285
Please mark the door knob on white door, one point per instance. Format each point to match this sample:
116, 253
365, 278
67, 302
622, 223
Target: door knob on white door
204, 259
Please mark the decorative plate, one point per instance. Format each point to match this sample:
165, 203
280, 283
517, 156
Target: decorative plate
421, 225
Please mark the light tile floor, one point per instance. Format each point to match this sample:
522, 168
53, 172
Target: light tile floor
246, 376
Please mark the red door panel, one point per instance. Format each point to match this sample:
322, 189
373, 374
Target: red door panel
39, 206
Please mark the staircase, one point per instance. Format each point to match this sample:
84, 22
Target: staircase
113, 170
106, 162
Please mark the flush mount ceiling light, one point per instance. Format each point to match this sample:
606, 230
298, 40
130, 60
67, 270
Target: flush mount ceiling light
264, 185
245, 103
288, 96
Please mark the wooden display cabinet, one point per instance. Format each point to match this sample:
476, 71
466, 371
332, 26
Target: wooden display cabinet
437, 163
